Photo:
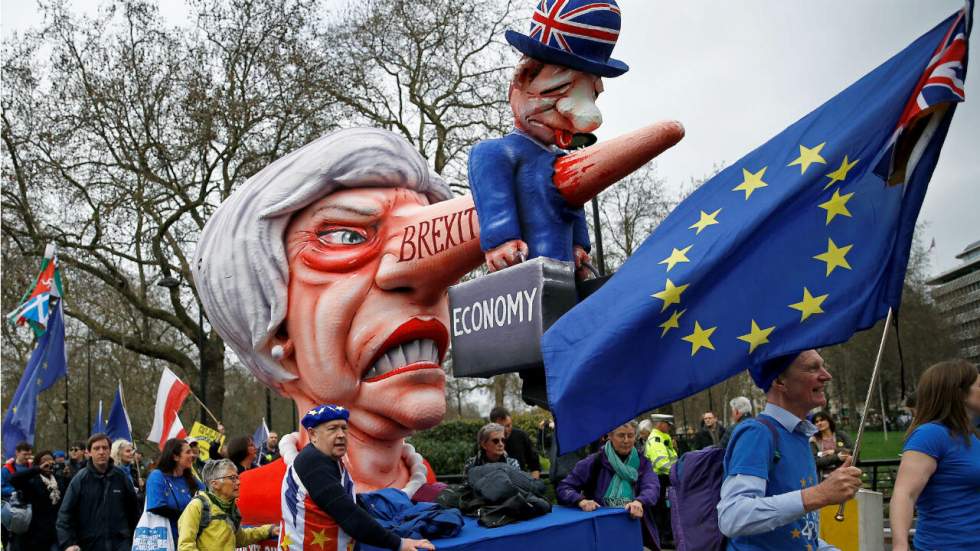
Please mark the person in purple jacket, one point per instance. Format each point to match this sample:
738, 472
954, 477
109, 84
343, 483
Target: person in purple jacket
616, 476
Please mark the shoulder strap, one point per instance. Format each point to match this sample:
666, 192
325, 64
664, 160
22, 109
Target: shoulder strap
205, 513
764, 419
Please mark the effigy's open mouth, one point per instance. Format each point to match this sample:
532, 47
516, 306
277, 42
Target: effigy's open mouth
416, 344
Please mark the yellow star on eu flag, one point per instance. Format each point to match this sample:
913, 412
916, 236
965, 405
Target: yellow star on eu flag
808, 156
705, 221
837, 205
671, 323
835, 256
700, 338
809, 305
795, 533
841, 172
670, 295
751, 182
678, 255
756, 336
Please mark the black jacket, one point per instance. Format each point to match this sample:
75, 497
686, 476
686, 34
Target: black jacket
703, 438
44, 513
518, 446
99, 511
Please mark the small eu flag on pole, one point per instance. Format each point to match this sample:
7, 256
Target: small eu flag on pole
799, 244
118, 425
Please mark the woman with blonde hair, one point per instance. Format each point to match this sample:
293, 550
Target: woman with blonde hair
940, 470
122, 454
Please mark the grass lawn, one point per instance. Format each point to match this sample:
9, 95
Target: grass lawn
876, 447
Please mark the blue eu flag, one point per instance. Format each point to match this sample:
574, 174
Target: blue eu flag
47, 364
797, 245
118, 425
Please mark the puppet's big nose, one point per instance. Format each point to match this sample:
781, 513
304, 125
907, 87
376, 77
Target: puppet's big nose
432, 248
581, 175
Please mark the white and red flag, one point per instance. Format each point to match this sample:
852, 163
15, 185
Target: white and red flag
170, 396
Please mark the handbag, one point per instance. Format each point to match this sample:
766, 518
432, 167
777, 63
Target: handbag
20, 514
153, 533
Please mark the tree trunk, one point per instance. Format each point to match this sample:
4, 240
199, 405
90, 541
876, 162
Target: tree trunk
214, 364
499, 390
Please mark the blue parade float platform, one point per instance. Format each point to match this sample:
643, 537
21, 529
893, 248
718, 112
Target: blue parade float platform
564, 529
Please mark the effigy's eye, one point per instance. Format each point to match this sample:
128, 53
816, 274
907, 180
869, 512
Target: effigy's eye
557, 90
341, 236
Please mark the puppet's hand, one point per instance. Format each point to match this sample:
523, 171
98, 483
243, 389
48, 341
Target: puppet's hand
581, 259
510, 253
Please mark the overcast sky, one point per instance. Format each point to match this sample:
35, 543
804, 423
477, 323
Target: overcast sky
736, 73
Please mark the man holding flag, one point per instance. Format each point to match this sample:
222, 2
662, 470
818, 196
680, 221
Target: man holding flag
771, 498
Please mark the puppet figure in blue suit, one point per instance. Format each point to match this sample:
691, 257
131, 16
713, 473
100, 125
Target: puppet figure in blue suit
522, 215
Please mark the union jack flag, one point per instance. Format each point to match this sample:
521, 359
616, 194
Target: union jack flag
562, 23
941, 84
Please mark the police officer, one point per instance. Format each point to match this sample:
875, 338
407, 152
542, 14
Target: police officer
662, 454
660, 447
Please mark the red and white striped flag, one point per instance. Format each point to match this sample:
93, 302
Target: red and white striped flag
170, 396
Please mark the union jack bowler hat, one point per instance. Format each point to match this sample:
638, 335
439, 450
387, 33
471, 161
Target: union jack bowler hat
579, 34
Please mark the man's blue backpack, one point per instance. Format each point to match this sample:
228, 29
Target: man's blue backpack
694, 493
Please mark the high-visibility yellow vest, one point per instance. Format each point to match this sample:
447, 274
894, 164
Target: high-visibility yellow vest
660, 451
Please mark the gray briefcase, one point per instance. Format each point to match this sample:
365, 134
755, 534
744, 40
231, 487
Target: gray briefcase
497, 320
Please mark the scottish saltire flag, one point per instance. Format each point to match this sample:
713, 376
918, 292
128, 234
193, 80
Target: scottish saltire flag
118, 425
35, 306
47, 364
797, 245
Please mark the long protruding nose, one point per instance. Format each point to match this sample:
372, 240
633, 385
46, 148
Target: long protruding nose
581, 175
432, 248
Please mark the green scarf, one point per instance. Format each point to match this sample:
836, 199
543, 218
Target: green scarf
231, 514
620, 490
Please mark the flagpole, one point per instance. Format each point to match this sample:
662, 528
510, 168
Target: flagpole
67, 420
205, 408
839, 517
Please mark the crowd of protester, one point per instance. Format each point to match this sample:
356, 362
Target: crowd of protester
93, 497
780, 465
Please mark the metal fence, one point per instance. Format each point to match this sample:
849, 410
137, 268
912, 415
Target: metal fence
879, 475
